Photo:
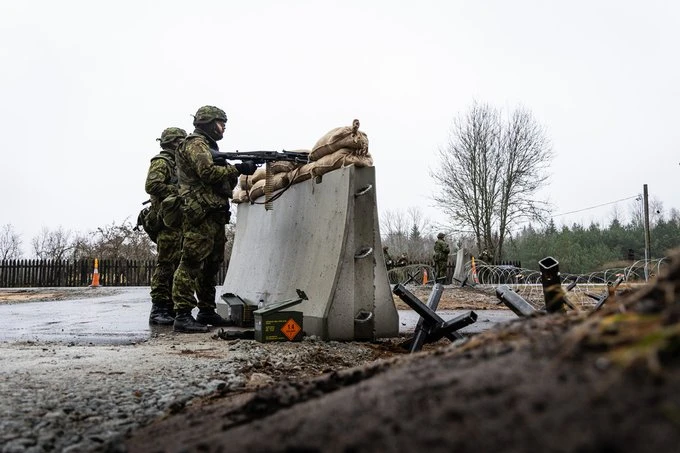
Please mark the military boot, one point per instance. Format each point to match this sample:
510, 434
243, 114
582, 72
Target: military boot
209, 316
161, 315
186, 323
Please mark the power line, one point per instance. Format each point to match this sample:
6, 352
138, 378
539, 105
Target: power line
598, 206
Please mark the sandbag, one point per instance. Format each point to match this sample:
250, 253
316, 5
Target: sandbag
278, 182
282, 166
328, 163
341, 158
245, 182
259, 175
349, 137
358, 160
301, 174
240, 196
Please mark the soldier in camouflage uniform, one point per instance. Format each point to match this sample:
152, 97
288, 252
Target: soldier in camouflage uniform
205, 189
441, 257
161, 183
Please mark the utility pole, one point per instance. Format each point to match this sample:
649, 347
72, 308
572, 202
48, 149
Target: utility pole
645, 200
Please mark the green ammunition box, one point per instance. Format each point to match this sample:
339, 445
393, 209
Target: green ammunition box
239, 311
278, 326
272, 324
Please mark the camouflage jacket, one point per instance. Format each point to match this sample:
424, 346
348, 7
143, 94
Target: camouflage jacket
441, 250
200, 180
161, 180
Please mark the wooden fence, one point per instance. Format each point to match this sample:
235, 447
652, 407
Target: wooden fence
60, 273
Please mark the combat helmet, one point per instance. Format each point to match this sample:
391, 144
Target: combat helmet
209, 113
441, 236
171, 134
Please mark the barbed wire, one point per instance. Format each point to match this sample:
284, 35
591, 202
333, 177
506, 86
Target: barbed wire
527, 282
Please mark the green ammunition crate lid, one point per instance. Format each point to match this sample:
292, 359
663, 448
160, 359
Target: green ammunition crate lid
273, 308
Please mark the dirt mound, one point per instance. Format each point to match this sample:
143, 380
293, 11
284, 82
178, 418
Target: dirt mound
586, 382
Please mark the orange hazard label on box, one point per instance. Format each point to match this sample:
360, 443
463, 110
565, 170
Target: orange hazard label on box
290, 329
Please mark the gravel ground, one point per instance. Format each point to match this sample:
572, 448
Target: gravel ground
78, 398
57, 397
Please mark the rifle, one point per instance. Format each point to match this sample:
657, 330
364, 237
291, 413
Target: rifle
259, 158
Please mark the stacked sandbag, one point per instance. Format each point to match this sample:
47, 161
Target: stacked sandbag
346, 137
240, 193
278, 182
239, 196
339, 147
253, 186
302, 173
340, 158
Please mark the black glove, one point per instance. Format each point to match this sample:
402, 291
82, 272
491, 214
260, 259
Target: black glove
247, 167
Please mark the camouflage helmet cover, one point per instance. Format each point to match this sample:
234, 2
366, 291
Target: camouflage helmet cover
440, 236
170, 134
209, 113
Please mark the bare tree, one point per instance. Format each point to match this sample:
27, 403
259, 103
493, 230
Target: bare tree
490, 172
615, 215
637, 212
420, 238
394, 228
674, 216
10, 243
407, 232
656, 211
115, 241
53, 244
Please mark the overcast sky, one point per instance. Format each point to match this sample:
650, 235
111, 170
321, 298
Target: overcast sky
87, 86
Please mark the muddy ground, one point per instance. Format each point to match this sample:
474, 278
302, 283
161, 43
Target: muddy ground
575, 382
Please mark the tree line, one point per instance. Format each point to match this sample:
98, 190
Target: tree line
580, 249
114, 241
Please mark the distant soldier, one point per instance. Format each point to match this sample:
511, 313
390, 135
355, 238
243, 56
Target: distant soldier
205, 189
161, 184
485, 256
389, 263
441, 256
403, 260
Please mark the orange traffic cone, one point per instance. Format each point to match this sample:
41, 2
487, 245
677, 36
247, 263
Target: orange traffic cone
474, 271
425, 279
95, 274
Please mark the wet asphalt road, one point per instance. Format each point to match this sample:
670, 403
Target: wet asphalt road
123, 319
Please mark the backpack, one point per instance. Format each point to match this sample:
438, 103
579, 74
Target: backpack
150, 222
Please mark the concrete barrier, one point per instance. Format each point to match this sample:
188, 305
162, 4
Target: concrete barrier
322, 237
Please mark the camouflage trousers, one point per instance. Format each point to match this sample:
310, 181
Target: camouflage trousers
439, 270
169, 245
202, 254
